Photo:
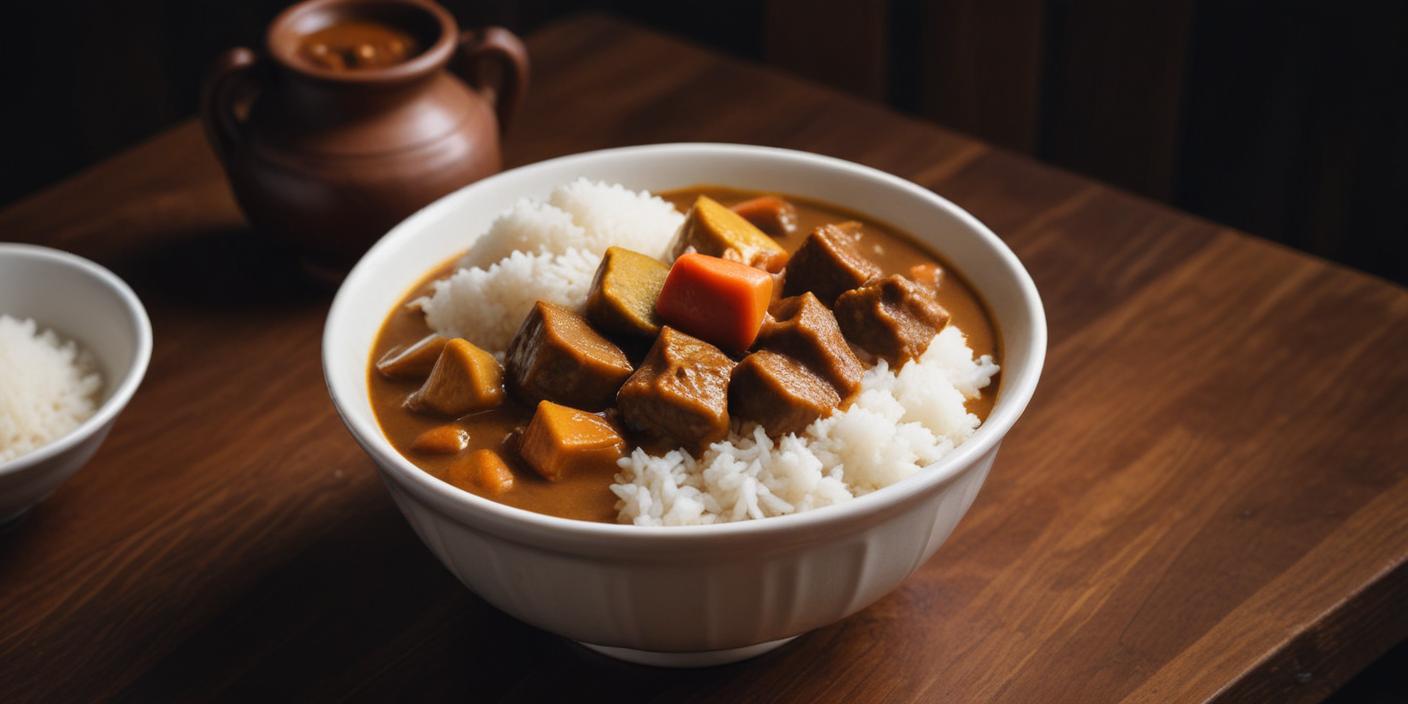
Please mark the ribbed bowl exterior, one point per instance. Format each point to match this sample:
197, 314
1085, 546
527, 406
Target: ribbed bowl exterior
696, 600
705, 593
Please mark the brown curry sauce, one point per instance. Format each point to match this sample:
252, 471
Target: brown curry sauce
357, 45
586, 495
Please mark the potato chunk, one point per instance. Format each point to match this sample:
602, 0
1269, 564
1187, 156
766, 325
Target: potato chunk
623, 294
482, 472
556, 356
464, 379
680, 391
441, 440
828, 264
560, 440
893, 317
712, 229
770, 214
779, 392
413, 361
804, 329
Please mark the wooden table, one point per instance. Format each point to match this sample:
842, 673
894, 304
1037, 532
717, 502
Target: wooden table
1207, 499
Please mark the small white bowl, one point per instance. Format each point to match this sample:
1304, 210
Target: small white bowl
90, 305
693, 595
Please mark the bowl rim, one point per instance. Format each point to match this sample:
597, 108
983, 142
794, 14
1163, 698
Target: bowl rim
1017, 389
133, 375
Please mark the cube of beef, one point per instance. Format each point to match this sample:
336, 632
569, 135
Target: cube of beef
779, 393
828, 264
806, 330
556, 356
892, 317
680, 391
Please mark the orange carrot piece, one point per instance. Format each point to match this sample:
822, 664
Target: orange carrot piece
770, 214
716, 300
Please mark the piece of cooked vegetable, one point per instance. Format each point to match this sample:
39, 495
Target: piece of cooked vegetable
892, 317
561, 439
481, 472
624, 291
557, 356
779, 393
464, 379
680, 391
412, 361
770, 214
828, 264
928, 273
441, 440
717, 300
712, 229
806, 330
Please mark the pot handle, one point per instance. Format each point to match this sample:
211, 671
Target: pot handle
494, 47
218, 97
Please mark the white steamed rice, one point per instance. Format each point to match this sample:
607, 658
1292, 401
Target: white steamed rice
47, 387
898, 424
544, 250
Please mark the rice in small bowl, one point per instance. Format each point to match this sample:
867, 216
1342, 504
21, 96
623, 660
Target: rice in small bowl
73, 350
688, 594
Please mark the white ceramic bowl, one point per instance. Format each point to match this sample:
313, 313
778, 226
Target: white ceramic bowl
699, 595
86, 303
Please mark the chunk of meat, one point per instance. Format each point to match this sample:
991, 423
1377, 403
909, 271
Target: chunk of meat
623, 294
892, 317
441, 440
560, 440
481, 472
806, 330
556, 356
464, 379
770, 214
680, 391
719, 301
710, 228
779, 393
828, 264
413, 361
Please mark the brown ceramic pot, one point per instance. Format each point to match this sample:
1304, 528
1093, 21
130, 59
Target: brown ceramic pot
327, 160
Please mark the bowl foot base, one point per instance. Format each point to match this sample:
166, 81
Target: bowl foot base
703, 658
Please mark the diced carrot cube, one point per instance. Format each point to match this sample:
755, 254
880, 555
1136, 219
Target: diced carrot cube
482, 472
441, 440
716, 300
770, 214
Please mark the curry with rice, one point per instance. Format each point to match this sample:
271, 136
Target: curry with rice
766, 311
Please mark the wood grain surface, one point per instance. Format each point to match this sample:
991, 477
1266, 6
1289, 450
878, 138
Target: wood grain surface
1206, 500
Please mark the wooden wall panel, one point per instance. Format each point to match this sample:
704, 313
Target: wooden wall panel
838, 43
980, 68
1113, 90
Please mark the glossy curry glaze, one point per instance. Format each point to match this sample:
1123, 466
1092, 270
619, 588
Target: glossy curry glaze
585, 495
358, 45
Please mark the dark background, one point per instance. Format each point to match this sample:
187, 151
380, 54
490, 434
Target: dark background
1279, 118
